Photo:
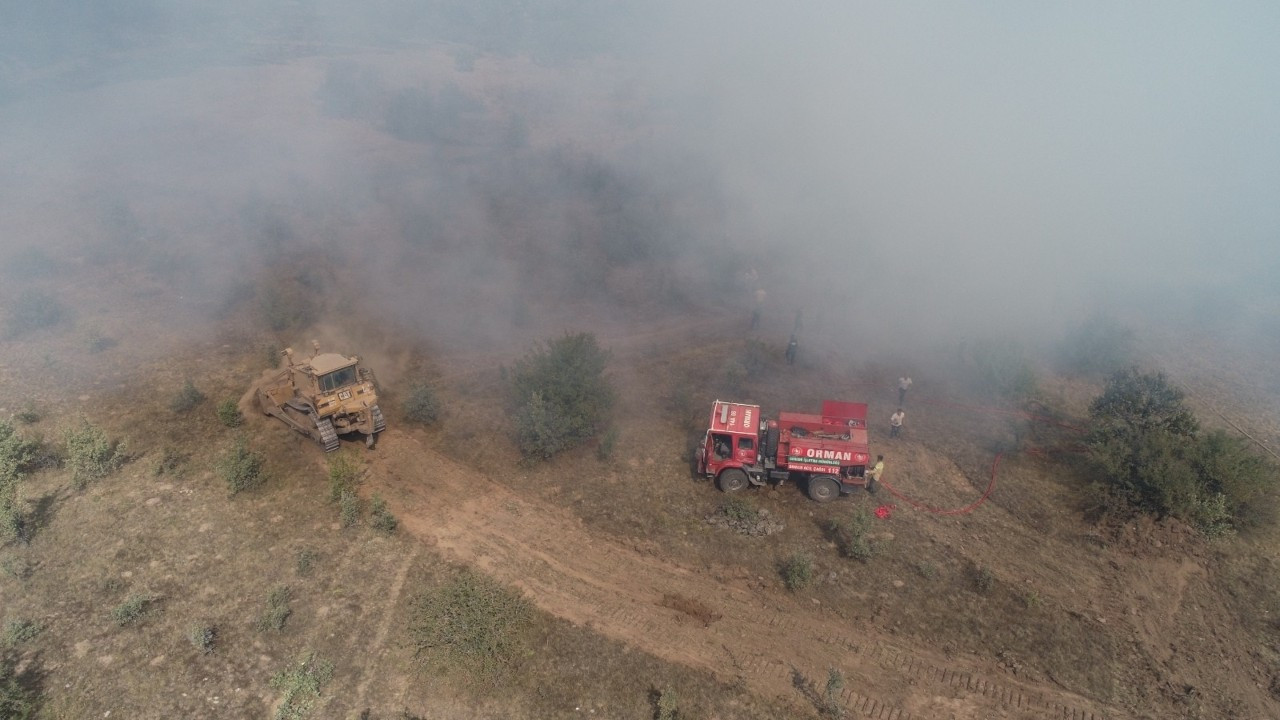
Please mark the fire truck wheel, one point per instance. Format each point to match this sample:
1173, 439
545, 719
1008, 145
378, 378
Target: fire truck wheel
823, 488
731, 480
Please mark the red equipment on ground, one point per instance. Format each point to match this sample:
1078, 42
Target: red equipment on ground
827, 452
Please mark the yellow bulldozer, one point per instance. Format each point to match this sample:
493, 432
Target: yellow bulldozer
323, 397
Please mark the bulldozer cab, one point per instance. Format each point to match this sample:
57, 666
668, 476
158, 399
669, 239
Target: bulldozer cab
338, 378
332, 371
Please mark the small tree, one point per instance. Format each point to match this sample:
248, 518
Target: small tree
421, 405
241, 467
91, 454
561, 395
186, 398
1097, 347
16, 453
1148, 445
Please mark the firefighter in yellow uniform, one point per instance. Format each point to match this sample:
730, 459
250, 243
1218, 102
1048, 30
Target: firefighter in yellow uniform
873, 474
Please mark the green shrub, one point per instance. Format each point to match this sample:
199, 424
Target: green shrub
1153, 457
134, 608
604, 451
91, 455
17, 632
850, 535
242, 468
344, 475
33, 310
169, 462
667, 705
270, 355
998, 366
738, 509
202, 637
96, 342
16, 701
380, 518
306, 561
832, 704
229, 414
301, 684
28, 415
561, 395
286, 306
16, 456
1237, 479
797, 571
187, 398
421, 405
983, 580
278, 610
473, 623
1098, 347
16, 567
349, 508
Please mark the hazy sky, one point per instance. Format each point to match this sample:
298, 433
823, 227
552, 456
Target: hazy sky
927, 165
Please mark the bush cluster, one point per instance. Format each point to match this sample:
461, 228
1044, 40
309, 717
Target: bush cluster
850, 535
1098, 347
134, 608
16, 701
421, 405
380, 518
33, 310
187, 398
301, 684
16, 456
1154, 458
278, 610
797, 571
561, 395
471, 622
91, 455
202, 637
229, 414
998, 366
242, 468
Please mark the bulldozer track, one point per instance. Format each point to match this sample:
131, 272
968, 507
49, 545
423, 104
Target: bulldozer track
328, 436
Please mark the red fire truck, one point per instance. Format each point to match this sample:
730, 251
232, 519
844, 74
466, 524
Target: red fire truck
827, 452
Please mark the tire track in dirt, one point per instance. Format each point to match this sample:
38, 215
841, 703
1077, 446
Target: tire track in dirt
378, 644
760, 637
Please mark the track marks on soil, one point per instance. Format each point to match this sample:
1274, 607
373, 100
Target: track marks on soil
596, 581
378, 644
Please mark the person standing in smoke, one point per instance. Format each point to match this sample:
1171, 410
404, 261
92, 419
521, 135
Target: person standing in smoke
759, 307
904, 384
791, 350
895, 423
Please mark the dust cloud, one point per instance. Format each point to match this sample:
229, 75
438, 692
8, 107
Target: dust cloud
485, 172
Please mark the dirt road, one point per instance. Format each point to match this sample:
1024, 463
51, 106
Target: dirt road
774, 643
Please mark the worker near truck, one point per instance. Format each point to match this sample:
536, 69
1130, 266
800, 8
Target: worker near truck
873, 474
895, 423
